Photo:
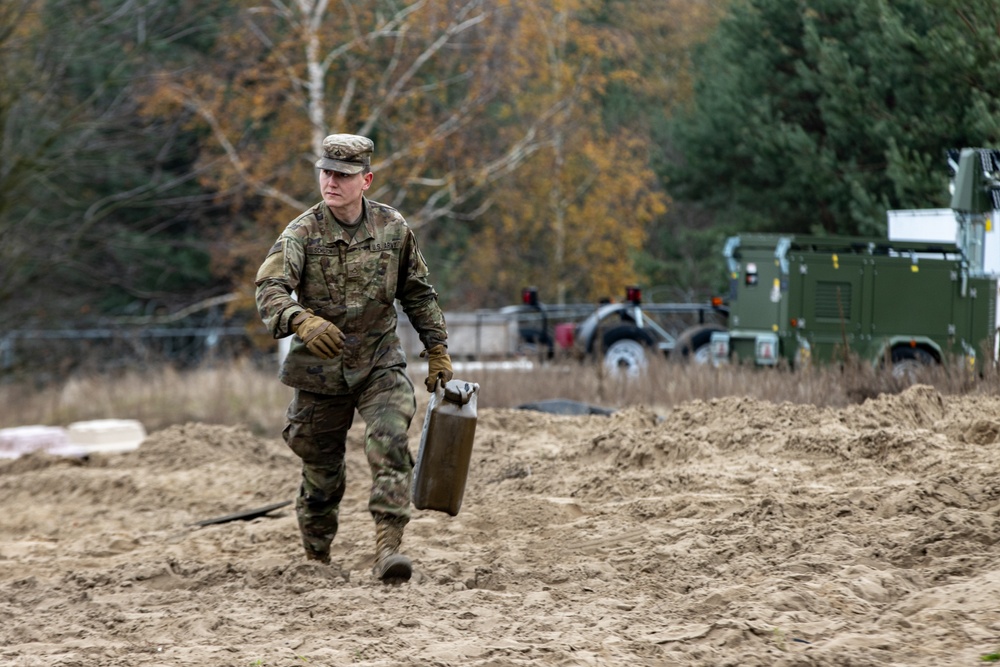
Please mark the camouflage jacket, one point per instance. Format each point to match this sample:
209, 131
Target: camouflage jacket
352, 283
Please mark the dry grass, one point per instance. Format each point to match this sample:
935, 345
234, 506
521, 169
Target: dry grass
667, 384
233, 394
243, 394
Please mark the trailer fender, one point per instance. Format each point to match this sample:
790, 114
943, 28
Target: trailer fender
913, 342
586, 333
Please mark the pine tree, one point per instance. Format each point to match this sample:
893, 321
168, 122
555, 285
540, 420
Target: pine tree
819, 115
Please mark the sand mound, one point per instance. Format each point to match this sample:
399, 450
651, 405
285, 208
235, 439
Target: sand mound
193, 445
722, 532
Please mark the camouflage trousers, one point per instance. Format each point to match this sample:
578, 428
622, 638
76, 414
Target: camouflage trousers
317, 432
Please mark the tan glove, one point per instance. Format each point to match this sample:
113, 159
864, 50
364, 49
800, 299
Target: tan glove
438, 366
321, 336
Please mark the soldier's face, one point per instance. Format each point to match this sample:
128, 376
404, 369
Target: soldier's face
342, 190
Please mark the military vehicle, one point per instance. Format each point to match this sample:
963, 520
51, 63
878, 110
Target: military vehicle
903, 303
916, 298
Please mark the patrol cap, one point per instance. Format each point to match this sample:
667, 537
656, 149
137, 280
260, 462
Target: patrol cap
346, 153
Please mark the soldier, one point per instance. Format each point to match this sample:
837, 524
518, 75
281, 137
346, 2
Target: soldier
348, 259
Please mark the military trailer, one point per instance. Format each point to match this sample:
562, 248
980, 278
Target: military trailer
804, 299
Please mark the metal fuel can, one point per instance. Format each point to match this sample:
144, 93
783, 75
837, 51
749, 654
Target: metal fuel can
442, 465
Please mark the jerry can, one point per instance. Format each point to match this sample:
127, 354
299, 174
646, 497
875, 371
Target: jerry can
442, 465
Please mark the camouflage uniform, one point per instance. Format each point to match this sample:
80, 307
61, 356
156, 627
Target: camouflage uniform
353, 283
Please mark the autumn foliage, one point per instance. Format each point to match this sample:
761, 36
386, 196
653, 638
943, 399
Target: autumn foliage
487, 119
152, 151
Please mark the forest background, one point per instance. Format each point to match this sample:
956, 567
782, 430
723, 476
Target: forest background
153, 149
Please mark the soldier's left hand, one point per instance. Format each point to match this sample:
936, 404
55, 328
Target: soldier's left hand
438, 366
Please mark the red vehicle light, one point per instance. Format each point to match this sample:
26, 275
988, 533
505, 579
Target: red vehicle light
565, 334
633, 294
529, 296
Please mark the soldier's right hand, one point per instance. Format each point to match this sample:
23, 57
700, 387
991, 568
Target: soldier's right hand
321, 336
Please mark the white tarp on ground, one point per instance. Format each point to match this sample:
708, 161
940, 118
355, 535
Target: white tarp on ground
78, 439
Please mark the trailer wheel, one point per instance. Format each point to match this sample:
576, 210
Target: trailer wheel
626, 350
694, 345
907, 362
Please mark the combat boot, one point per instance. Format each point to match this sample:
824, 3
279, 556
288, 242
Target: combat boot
323, 556
389, 563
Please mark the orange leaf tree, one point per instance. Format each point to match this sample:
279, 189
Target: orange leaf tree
572, 218
490, 121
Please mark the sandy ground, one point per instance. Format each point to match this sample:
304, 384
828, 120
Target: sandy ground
730, 532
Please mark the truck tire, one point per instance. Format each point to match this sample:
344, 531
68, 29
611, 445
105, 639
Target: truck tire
693, 346
626, 350
907, 362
